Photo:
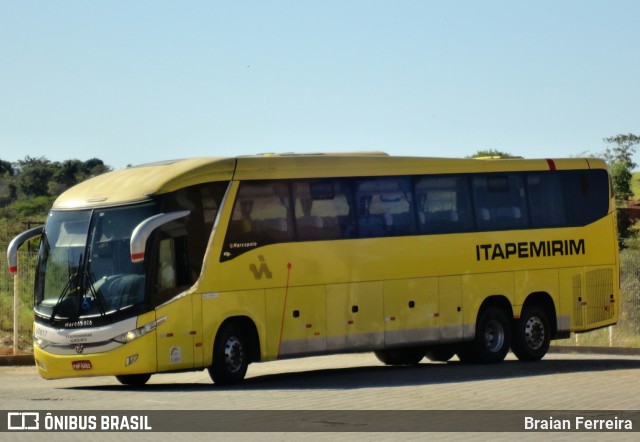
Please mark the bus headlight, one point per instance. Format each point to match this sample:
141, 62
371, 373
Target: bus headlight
41, 343
139, 332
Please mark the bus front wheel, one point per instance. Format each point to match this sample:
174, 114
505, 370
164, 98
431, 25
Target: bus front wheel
492, 340
135, 380
531, 335
230, 356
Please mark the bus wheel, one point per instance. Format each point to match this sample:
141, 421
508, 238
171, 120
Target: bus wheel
133, 379
440, 353
401, 356
493, 337
230, 356
531, 335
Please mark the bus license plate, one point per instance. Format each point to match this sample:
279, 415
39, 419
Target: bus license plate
81, 365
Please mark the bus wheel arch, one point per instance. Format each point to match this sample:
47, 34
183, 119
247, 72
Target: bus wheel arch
492, 333
533, 331
235, 346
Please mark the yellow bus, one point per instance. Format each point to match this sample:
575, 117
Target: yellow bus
221, 262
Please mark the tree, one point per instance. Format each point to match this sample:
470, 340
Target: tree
29, 187
34, 176
491, 153
65, 176
94, 167
6, 168
619, 156
41, 177
7, 189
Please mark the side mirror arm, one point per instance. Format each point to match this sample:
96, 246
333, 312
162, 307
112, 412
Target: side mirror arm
143, 230
14, 245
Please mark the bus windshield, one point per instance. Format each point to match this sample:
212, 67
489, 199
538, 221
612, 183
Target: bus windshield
85, 269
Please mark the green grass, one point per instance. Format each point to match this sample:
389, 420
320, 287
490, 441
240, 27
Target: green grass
611, 336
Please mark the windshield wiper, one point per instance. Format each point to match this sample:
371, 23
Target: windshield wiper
65, 291
97, 294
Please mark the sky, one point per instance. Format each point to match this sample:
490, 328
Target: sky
132, 82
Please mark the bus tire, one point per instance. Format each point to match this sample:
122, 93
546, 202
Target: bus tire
135, 380
492, 340
531, 335
230, 356
401, 356
440, 353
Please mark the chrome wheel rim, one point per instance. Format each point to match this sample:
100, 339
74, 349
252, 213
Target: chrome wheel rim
494, 336
233, 355
534, 333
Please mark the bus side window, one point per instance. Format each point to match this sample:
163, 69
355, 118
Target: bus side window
443, 204
500, 202
546, 199
586, 195
261, 215
323, 210
385, 207
202, 201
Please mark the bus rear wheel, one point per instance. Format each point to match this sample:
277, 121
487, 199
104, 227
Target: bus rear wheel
136, 380
401, 356
492, 340
531, 335
230, 356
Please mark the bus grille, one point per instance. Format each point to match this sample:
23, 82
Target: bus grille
592, 302
599, 288
578, 320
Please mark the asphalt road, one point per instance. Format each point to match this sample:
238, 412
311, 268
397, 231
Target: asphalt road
571, 382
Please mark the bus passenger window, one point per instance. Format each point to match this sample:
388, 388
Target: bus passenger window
443, 204
323, 210
385, 207
261, 216
546, 199
586, 195
500, 202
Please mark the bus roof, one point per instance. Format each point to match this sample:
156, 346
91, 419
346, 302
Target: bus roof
140, 183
